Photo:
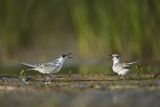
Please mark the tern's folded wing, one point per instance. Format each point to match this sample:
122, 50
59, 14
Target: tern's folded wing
133, 62
125, 65
30, 65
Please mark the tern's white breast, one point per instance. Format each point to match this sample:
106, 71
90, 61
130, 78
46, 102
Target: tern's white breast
119, 69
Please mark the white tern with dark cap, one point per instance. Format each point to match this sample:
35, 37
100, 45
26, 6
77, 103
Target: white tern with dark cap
50, 67
121, 68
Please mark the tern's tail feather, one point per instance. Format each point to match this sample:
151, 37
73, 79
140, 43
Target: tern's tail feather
28, 65
133, 62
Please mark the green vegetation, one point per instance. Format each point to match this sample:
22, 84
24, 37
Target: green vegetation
101, 27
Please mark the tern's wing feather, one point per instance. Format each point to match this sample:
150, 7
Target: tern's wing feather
128, 65
125, 65
30, 65
54, 61
133, 62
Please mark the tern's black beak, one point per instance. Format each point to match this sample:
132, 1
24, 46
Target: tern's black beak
67, 55
109, 57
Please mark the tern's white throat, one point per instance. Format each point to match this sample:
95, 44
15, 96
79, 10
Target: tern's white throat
61, 59
116, 60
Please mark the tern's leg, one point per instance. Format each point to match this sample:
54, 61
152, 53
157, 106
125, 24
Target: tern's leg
128, 76
121, 77
23, 77
48, 79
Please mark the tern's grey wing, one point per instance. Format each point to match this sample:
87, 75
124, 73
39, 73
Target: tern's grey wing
30, 65
133, 62
53, 65
125, 65
54, 61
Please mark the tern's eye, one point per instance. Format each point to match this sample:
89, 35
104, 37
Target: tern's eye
116, 56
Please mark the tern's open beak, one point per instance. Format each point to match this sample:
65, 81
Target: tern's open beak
67, 54
70, 57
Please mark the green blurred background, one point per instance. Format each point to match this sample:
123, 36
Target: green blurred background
40, 30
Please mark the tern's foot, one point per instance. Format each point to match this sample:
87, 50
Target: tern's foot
47, 82
48, 78
122, 77
24, 80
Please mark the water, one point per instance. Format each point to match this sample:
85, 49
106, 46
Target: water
92, 98
75, 90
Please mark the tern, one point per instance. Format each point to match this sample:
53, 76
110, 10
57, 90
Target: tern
121, 68
51, 67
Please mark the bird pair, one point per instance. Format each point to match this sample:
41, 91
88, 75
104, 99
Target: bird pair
55, 66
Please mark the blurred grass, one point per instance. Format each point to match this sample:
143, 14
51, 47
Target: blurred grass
129, 27
83, 70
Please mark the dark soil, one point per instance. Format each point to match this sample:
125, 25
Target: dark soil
80, 91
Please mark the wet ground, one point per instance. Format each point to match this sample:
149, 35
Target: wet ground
81, 91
